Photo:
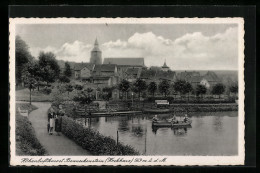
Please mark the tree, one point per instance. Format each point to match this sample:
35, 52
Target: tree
218, 89
22, 57
64, 79
67, 71
180, 86
188, 89
140, 86
29, 78
78, 87
107, 93
50, 67
69, 88
124, 86
83, 98
152, 87
233, 89
164, 87
201, 90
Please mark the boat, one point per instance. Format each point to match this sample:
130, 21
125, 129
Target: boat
156, 111
169, 124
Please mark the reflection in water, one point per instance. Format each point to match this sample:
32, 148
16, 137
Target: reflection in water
212, 133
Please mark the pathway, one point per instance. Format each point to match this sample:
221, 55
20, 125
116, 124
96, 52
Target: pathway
55, 145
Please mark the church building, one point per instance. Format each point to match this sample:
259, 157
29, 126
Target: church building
96, 54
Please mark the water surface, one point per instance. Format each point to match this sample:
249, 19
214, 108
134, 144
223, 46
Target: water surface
211, 133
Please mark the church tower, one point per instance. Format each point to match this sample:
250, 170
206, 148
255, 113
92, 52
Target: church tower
165, 67
96, 54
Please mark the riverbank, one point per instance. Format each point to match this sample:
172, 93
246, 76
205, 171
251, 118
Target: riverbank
93, 141
26, 140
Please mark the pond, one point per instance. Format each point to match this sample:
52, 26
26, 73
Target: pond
211, 133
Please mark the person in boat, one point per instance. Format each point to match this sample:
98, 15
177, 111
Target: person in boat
174, 119
186, 119
155, 119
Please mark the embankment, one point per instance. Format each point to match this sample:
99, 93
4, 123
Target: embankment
93, 141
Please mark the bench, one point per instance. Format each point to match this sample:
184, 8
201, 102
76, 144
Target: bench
162, 103
23, 112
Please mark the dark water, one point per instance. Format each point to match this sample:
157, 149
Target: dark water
213, 133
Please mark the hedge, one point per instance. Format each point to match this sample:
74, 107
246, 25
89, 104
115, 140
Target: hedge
26, 141
93, 141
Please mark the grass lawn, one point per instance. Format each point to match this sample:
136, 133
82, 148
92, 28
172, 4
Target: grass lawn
37, 96
26, 141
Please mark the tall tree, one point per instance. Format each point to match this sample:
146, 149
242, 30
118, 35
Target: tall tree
164, 87
180, 86
152, 87
67, 71
188, 89
140, 86
29, 78
50, 67
233, 89
201, 90
124, 86
218, 89
107, 93
22, 57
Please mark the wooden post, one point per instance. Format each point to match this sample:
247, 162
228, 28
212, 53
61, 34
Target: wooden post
117, 137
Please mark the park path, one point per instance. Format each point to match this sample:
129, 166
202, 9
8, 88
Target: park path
55, 145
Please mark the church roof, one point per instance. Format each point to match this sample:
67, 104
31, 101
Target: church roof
80, 66
165, 75
104, 68
96, 47
125, 61
164, 65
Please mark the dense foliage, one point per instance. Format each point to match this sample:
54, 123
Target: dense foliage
152, 87
164, 87
218, 89
26, 141
67, 71
93, 141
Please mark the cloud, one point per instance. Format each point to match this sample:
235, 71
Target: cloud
190, 51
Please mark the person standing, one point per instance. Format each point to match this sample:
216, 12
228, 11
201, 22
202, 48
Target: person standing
52, 123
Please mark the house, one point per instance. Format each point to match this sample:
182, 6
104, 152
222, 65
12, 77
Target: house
124, 63
157, 75
187, 75
83, 70
131, 73
105, 74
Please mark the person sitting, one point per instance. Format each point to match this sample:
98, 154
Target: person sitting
174, 119
155, 119
186, 119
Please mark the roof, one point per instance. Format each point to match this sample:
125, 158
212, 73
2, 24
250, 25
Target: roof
211, 76
127, 61
195, 79
187, 75
147, 74
165, 75
96, 47
98, 69
135, 72
80, 66
164, 65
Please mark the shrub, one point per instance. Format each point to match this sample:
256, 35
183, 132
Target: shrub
26, 140
46, 91
93, 141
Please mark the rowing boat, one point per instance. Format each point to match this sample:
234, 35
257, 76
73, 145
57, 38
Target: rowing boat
169, 124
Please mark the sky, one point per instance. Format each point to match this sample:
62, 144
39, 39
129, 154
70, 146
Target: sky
182, 46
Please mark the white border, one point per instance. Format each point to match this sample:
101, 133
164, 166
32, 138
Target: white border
171, 160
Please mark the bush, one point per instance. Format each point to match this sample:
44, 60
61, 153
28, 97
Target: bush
93, 141
46, 91
26, 141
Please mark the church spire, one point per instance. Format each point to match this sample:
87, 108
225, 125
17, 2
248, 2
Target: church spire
96, 42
